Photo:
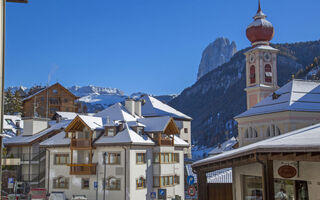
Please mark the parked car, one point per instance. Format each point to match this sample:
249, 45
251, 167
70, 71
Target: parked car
38, 194
57, 196
79, 197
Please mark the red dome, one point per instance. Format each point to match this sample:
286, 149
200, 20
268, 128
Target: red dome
260, 30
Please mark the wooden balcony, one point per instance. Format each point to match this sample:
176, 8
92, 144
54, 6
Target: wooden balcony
83, 169
80, 143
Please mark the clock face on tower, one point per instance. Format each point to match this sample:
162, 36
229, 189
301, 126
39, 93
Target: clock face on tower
252, 58
267, 56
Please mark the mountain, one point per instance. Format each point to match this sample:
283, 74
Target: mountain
217, 53
219, 95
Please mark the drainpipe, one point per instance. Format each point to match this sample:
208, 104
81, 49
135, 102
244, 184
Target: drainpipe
48, 179
29, 164
104, 176
125, 173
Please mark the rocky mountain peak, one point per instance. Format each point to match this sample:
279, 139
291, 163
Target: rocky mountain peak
215, 54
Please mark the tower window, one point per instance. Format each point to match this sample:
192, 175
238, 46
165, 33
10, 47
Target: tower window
252, 74
268, 73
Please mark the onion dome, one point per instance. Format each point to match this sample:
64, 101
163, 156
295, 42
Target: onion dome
260, 31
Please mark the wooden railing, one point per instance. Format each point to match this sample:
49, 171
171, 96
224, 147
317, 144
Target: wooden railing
80, 143
83, 169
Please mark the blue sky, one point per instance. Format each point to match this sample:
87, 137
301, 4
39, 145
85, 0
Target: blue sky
151, 46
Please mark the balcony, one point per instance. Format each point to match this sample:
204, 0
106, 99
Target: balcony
83, 169
80, 143
165, 142
27, 157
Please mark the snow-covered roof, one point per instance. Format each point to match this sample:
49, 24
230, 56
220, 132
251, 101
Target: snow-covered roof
67, 115
155, 124
219, 176
302, 140
126, 136
226, 146
262, 47
180, 142
92, 122
116, 112
153, 107
23, 139
57, 140
297, 95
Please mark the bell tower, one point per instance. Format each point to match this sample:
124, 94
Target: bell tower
261, 60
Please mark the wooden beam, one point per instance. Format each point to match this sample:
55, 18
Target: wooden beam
202, 185
267, 179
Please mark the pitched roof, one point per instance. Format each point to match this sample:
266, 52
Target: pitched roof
155, 124
219, 176
57, 140
92, 122
297, 95
180, 142
126, 136
226, 146
153, 107
23, 139
116, 112
44, 89
66, 115
302, 140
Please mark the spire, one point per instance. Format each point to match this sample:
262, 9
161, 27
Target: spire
259, 7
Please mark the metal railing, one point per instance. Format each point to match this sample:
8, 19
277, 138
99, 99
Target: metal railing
83, 169
80, 143
27, 156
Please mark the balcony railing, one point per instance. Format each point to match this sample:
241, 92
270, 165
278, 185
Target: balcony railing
80, 143
83, 169
28, 157
165, 142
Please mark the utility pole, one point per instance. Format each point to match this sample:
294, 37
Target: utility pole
2, 56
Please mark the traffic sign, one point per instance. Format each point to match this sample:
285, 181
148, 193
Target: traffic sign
153, 195
95, 185
162, 194
10, 183
192, 191
190, 180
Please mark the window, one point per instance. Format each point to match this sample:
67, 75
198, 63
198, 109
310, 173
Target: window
273, 130
111, 132
252, 74
61, 159
66, 100
268, 73
54, 91
166, 158
61, 183
85, 183
141, 183
251, 133
252, 187
165, 181
140, 130
113, 183
185, 130
9, 121
140, 158
113, 158
8, 131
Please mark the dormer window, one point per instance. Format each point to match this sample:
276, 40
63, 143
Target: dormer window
110, 131
140, 130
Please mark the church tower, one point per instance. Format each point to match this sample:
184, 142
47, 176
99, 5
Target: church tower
261, 60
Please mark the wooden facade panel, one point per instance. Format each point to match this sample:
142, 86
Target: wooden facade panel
220, 191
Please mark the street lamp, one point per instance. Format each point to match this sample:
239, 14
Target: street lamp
2, 55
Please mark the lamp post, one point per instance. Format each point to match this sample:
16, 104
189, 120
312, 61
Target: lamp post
2, 55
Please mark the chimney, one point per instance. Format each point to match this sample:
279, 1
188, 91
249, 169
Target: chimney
18, 124
34, 125
129, 105
137, 108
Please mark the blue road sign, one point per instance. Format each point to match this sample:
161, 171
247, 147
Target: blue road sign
10, 180
162, 194
190, 180
153, 195
95, 185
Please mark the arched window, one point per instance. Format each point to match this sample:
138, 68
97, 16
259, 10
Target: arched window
141, 183
251, 133
113, 183
252, 74
268, 73
61, 183
273, 130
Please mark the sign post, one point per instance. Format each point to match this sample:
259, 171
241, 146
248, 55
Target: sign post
162, 194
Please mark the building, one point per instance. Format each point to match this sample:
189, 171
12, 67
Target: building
25, 147
12, 126
131, 156
152, 107
270, 162
47, 101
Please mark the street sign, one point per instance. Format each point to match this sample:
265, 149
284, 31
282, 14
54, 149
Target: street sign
153, 195
192, 191
162, 194
10, 183
95, 185
190, 180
